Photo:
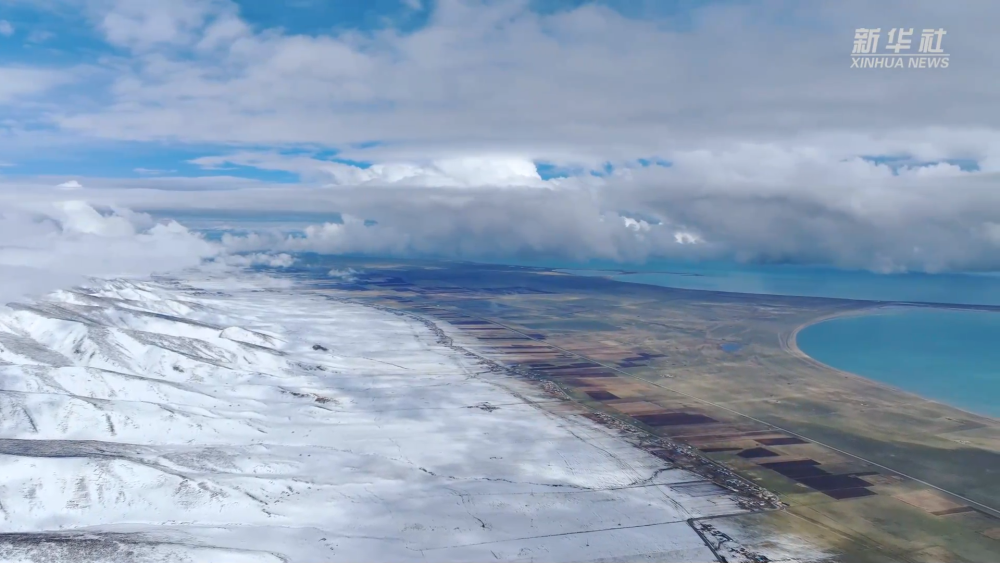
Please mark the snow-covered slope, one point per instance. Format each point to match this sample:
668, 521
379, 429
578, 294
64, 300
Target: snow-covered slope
229, 422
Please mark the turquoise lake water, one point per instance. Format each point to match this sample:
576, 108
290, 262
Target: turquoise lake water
948, 356
966, 289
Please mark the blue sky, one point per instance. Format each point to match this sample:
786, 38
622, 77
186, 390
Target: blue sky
315, 16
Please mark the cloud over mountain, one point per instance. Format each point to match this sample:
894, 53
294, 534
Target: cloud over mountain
43, 248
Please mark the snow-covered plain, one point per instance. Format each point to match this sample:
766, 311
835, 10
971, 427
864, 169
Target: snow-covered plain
236, 420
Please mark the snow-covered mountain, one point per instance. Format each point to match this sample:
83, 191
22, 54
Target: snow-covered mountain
224, 420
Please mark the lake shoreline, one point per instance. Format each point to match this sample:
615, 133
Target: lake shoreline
789, 343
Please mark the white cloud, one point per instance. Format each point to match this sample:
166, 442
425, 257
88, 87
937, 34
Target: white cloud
80, 218
144, 24
682, 237
258, 259
48, 247
636, 225
474, 230
70, 185
472, 171
348, 274
19, 83
6, 29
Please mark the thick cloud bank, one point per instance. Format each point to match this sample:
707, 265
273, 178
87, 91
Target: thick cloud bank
46, 247
752, 203
753, 207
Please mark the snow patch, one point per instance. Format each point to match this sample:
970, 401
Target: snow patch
238, 334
